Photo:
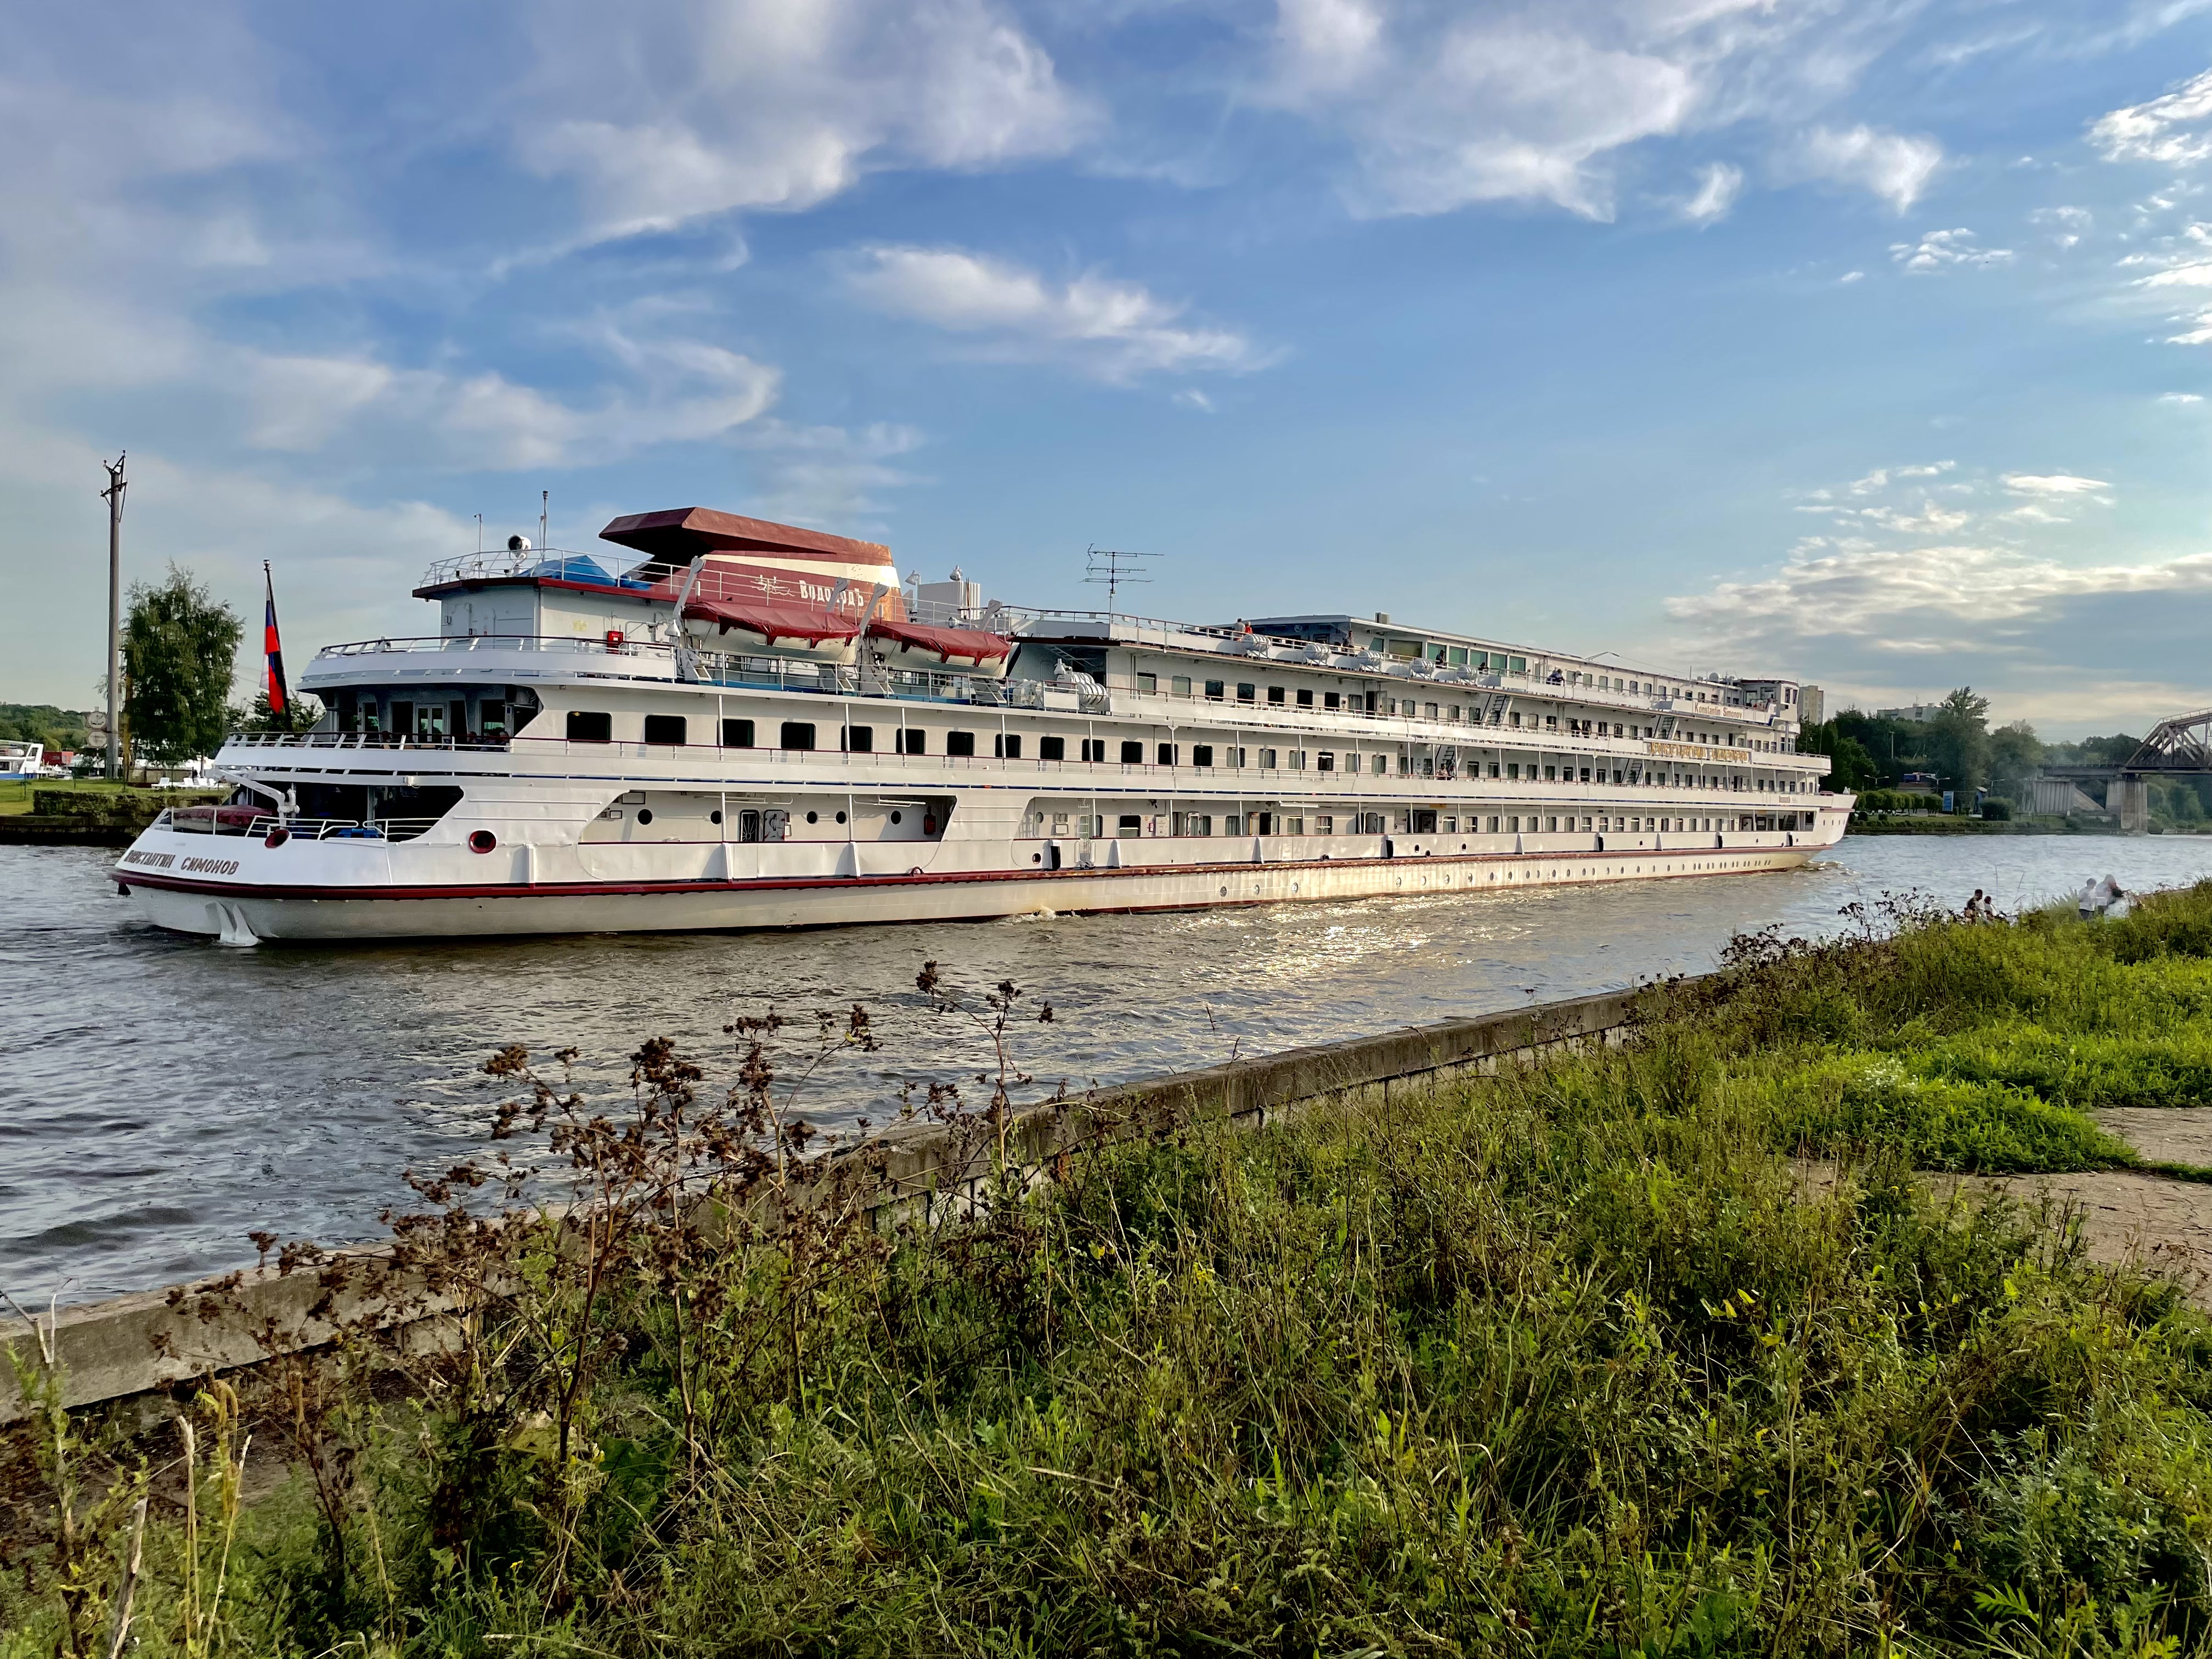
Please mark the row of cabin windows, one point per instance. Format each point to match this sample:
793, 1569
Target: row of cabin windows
586, 725
1418, 822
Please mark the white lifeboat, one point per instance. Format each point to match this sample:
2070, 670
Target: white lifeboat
766, 627
941, 650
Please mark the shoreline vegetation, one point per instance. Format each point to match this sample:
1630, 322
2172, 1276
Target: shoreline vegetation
1575, 1359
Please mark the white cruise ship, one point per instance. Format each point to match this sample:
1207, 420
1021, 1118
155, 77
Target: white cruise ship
724, 723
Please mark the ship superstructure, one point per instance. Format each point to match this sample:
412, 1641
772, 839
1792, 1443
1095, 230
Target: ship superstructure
756, 726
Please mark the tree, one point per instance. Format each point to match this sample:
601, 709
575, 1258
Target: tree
301, 715
1895, 747
1958, 739
2017, 755
1852, 768
179, 649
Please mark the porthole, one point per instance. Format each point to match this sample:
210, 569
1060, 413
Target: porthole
1225, 892
841, 817
895, 816
483, 841
645, 815
814, 817
1037, 857
714, 817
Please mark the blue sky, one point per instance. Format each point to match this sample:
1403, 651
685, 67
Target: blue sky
1864, 342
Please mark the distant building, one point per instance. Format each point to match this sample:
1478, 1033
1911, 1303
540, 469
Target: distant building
1912, 711
1813, 705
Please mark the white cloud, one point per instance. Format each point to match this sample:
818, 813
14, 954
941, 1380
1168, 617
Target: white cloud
1445, 107
1191, 397
1941, 250
1894, 166
1718, 187
1879, 478
2167, 130
1852, 276
2053, 483
2067, 225
2180, 397
827, 475
666, 115
1914, 597
1115, 330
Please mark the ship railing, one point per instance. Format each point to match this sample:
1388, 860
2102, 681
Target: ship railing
320, 739
251, 822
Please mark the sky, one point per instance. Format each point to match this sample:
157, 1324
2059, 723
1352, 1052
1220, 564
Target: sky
1860, 341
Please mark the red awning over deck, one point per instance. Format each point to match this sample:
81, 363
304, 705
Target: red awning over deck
679, 535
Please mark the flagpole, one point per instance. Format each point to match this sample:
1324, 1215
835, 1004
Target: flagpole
272, 648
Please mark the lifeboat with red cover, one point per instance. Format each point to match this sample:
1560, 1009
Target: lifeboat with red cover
941, 650
768, 626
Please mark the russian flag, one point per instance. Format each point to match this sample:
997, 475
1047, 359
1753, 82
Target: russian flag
279, 697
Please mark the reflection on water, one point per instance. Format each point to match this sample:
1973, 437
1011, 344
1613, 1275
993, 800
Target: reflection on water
162, 1094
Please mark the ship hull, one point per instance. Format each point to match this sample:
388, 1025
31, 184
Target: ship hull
242, 913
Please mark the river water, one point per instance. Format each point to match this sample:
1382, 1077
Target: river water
160, 1096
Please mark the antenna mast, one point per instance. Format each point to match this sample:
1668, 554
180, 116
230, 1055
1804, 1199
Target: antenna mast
113, 496
1113, 568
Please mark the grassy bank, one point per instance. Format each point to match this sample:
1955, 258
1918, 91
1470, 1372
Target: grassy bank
1564, 1362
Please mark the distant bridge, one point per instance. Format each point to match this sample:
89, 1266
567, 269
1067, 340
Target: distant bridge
2177, 748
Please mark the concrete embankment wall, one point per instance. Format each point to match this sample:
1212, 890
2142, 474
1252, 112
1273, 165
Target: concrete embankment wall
139, 1344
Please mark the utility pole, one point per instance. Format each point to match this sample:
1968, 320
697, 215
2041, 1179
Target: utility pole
113, 496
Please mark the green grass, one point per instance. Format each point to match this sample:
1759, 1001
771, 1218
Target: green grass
1569, 1361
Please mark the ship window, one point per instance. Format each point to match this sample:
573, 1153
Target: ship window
1148, 682
1381, 764
1324, 825
1232, 825
1246, 691
1325, 761
1493, 821
960, 743
491, 718
664, 728
1428, 710
1166, 754
1216, 690
1551, 824
1094, 751
1306, 699
1266, 760
585, 726
1331, 700
1275, 695
1052, 749
1458, 656
1297, 760
1202, 754
1551, 775
1007, 745
1198, 824
1180, 685
1424, 823
736, 734
1514, 665
797, 734
913, 740
1292, 827
860, 739
1493, 769
1132, 752
1129, 828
